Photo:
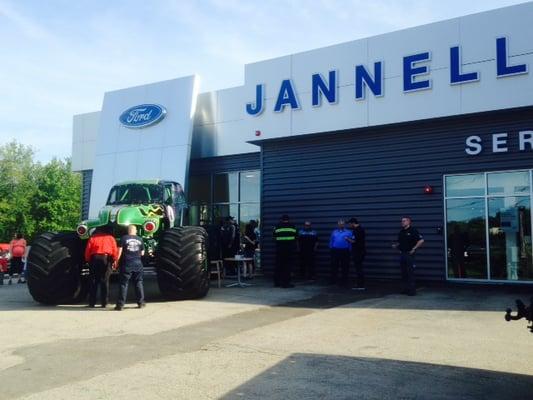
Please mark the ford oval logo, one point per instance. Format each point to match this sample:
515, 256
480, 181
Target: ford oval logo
142, 116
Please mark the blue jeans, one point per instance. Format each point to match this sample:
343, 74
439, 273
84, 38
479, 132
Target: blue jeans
137, 278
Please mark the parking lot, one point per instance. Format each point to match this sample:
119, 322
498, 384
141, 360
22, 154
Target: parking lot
312, 342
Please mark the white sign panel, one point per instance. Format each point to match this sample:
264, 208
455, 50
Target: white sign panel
145, 133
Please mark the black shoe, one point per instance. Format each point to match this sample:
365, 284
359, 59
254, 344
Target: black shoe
277, 285
141, 305
411, 293
119, 307
289, 286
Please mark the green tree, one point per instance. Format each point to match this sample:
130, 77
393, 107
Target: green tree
35, 198
17, 185
56, 203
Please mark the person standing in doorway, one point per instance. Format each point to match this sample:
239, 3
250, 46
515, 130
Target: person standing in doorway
285, 238
17, 249
227, 240
339, 245
214, 249
307, 246
409, 241
250, 239
358, 241
227, 236
130, 252
236, 244
101, 253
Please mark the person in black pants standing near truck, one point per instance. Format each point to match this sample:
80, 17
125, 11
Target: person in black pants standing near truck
130, 252
307, 246
358, 241
409, 240
285, 237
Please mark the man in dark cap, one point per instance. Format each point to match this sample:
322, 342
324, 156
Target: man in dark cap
285, 238
358, 242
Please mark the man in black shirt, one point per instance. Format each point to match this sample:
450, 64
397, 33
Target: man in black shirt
409, 240
130, 251
307, 246
358, 241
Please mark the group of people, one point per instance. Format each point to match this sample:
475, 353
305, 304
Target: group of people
14, 259
104, 255
344, 244
226, 239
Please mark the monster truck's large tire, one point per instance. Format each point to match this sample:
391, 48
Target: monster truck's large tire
182, 266
54, 269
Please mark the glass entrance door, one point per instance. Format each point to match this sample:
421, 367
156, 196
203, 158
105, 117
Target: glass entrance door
509, 215
488, 226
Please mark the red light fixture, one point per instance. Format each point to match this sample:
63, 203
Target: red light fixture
257, 133
82, 230
428, 189
149, 226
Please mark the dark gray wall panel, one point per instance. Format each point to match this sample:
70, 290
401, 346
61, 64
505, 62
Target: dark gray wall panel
239, 162
378, 175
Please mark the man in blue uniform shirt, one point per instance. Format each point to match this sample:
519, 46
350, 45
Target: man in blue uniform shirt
307, 246
339, 245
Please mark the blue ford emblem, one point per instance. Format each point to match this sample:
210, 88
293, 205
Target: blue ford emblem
142, 116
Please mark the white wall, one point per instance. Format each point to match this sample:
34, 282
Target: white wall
222, 126
84, 135
158, 151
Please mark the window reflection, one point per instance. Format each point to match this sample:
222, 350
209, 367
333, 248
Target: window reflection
235, 194
510, 238
247, 213
465, 185
200, 189
508, 183
226, 188
467, 250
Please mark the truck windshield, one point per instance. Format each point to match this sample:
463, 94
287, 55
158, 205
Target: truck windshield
135, 194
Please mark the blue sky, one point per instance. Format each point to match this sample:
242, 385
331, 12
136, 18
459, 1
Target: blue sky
58, 57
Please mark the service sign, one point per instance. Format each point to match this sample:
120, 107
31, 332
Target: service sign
142, 116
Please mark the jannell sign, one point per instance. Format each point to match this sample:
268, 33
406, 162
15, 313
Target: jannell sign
142, 116
416, 71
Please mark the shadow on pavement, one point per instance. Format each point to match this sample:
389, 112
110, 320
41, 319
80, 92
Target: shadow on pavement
315, 376
431, 296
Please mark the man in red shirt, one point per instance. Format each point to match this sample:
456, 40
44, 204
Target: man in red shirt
101, 253
17, 249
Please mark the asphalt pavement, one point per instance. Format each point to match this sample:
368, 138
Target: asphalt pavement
312, 342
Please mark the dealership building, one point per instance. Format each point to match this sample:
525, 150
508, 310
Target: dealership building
434, 122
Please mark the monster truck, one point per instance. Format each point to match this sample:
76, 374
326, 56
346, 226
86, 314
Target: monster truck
56, 269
